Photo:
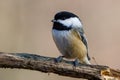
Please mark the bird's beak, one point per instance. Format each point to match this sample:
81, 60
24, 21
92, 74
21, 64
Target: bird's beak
53, 20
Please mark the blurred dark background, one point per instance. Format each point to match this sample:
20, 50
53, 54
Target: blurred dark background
25, 26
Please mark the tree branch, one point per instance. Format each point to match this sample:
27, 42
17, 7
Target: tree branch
47, 65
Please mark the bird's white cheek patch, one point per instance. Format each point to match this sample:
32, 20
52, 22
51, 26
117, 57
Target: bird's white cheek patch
66, 22
74, 22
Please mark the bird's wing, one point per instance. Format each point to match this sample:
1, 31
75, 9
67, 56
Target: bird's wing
80, 31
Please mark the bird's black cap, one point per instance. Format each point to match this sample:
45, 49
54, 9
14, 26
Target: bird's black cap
64, 15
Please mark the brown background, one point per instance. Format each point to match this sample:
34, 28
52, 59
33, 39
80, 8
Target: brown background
25, 27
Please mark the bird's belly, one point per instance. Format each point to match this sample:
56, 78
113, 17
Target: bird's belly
70, 46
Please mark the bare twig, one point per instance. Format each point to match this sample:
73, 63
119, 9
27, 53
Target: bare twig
47, 65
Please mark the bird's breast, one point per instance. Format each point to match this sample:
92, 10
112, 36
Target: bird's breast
69, 44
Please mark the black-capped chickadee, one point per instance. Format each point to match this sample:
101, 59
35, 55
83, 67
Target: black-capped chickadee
69, 36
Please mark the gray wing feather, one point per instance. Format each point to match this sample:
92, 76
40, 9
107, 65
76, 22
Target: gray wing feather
84, 40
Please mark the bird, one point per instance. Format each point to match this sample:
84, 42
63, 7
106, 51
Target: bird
69, 37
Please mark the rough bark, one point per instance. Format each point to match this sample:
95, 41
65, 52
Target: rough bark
64, 68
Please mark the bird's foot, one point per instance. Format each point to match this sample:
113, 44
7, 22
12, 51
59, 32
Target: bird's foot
76, 62
59, 59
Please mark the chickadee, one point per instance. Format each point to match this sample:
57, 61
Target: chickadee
68, 34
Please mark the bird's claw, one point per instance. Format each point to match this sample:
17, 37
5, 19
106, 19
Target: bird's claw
58, 59
76, 62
